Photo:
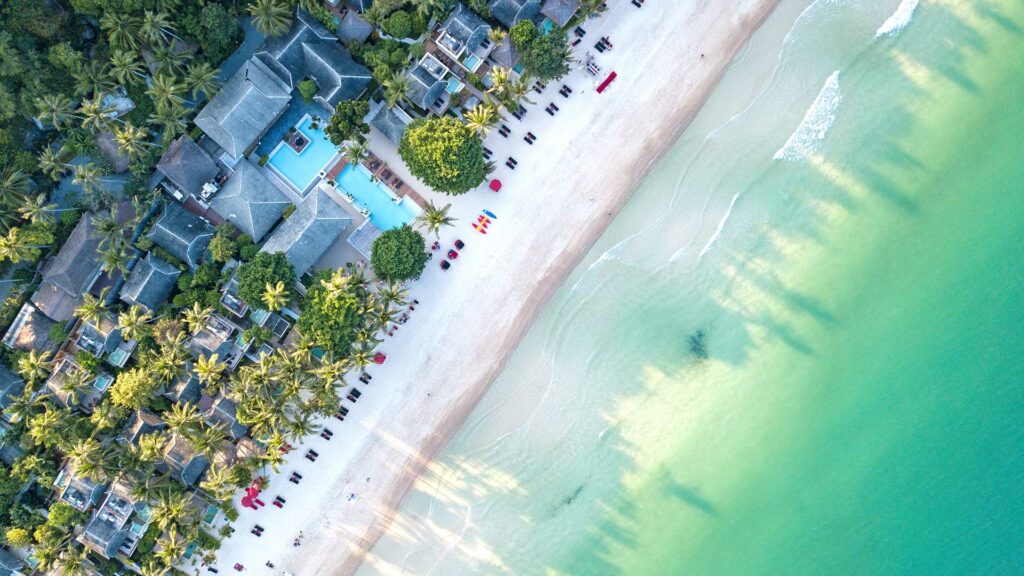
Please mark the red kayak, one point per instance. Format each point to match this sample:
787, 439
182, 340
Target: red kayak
479, 228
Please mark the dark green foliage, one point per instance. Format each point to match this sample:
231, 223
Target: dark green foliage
87, 361
545, 56
444, 154
308, 89
398, 24
215, 27
200, 287
63, 516
329, 319
265, 268
222, 245
399, 254
58, 332
383, 56
347, 121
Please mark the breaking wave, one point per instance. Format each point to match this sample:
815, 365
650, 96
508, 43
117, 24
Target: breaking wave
816, 123
899, 19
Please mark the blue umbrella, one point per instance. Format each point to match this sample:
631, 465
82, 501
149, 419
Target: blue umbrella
491, 214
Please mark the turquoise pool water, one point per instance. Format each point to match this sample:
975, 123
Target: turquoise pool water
301, 170
454, 85
384, 212
472, 62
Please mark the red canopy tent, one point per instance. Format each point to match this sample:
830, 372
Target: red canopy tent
379, 358
495, 184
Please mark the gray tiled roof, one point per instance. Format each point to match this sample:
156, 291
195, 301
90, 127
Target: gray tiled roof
311, 50
361, 5
182, 233
390, 124
424, 88
504, 53
183, 461
465, 26
11, 385
10, 565
353, 28
250, 201
30, 330
560, 11
150, 283
75, 266
187, 165
248, 103
142, 422
309, 231
224, 412
508, 12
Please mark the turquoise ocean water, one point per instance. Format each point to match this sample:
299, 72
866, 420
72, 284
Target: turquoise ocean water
798, 350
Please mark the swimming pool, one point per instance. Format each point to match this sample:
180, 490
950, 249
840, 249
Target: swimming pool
301, 170
385, 213
472, 62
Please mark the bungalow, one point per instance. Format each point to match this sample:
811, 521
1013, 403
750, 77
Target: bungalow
68, 393
80, 492
504, 54
150, 283
71, 272
222, 412
216, 338
391, 122
560, 11
108, 531
250, 201
11, 386
142, 422
256, 96
103, 340
309, 231
463, 37
183, 234
509, 12
427, 86
30, 331
187, 169
184, 387
183, 461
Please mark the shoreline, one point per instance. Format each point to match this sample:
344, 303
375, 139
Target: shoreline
400, 431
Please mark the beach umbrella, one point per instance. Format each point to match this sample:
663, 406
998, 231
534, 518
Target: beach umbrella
495, 184
379, 358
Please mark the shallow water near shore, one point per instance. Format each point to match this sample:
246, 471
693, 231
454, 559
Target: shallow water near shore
797, 350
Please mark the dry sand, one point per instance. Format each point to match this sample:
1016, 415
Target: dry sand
566, 189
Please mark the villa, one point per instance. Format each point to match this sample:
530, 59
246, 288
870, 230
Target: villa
221, 412
150, 283
428, 88
216, 338
184, 387
391, 122
509, 12
187, 169
250, 201
252, 100
142, 422
11, 565
11, 386
560, 11
463, 38
30, 331
78, 491
183, 462
183, 234
108, 531
71, 273
84, 398
101, 340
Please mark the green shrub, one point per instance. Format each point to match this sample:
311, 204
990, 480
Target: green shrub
288, 211
144, 244
308, 89
398, 24
399, 254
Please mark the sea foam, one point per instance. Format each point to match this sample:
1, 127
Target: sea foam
899, 19
816, 123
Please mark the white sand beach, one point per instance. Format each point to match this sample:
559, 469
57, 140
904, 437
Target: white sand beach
566, 189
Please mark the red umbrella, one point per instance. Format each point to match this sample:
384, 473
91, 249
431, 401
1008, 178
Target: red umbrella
495, 184
247, 502
252, 492
379, 358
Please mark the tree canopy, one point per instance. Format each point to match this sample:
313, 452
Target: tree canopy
399, 254
265, 268
444, 154
545, 56
133, 388
347, 121
330, 314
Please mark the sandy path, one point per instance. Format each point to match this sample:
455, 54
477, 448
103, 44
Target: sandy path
567, 188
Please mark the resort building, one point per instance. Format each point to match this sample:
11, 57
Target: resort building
102, 339
150, 283
70, 273
30, 331
71, 386
183, 462
252, 100
427, 85
216, 338
80, 492
560, 11
187, 170
109, 531
183, 234
391, 122
509, 12
142, 422
11, 386
463, 38
250, 201
314, 226
184, 387
221, 412
11, 565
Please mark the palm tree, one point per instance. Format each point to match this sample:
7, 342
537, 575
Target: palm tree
169, 57
73, 384
496, 35
172, 548
500, 77
165, 90
302, 425
590, 7
106, 415
156, 28
183, 418
396, 89
14, 188
36, 209
172, 121
196, 317
87, 176
92, 77
95, 116
134, 322
54, 162
209, 439
355, 152
24, 406
171, 508
202, 78
428, 7
433, 218
116, 257
131, 140
92, 308
360, 356
393, 293
153, 568
210, 372
516, 90
275, 296
109, 227
16, 247
481, 118
219, 482
271, 17
125, 67
72, 562
123, 30
35, 365
55, 109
